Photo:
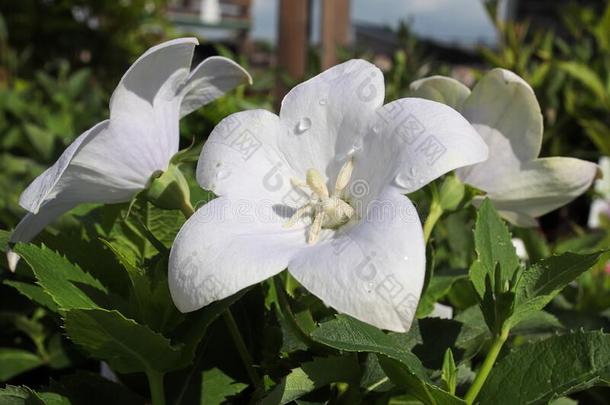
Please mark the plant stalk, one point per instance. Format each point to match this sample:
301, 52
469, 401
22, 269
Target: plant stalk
242, 349
486, 367
157, 390
436, 211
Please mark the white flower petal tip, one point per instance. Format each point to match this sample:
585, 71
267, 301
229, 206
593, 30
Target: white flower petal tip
441, 89
441, 311
12, 259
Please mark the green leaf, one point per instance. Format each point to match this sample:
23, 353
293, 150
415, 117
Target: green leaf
216, 387
63, 281
549, 369
349, 334
126, 345
35, 293
541, 282
494, 247
313, 375
586, 77
403, 367
13, 395
425, 392
449, 372
16, 361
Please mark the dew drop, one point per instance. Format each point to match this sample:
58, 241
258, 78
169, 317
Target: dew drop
303, 125
402, 180
323, 101
369, 287
222, 174
413, 171
376, 129
405, 258
421, 181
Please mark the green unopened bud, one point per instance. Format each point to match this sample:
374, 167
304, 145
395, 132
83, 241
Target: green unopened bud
170, 190
451, 193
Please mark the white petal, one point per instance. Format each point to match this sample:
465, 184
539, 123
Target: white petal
602, 185
79, 176
145, 106
441, 311
211, 79
504, 110
441, 89
413, 141
227, 246
541, 186
241, 158
373, 271
598, 207
31, 224
327, 115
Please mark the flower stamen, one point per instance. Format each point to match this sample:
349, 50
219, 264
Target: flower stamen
328, 211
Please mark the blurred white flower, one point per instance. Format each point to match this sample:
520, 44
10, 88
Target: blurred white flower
520, 249
359, 247
601, 203
504, 110
116, 158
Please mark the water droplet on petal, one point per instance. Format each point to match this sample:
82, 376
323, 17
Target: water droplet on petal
369, 287
222, 174
403, 180
421, 181
405, 258
413, 171
303, 125
323, 101
376, 129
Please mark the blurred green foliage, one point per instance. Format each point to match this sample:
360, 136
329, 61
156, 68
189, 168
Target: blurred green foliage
59, 62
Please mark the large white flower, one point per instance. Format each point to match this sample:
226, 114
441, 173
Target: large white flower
115, 159
319, 190
504, 110
601, 203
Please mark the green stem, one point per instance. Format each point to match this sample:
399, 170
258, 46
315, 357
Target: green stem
242, 349
435, 213
187, 209
157, 391
486, 367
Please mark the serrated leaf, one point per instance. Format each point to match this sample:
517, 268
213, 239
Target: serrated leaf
349, 334
494, 247
13, 395
541, 282
311, 376
403, 367
15, 361
549, 369
35, 293
126, 345
62, 280
216, 387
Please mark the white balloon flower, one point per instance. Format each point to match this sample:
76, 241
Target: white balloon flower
319, 190
504, 110
600, 207
116, 158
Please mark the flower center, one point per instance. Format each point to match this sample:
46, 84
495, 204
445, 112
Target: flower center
329, 211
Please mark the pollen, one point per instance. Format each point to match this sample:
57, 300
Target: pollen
329, 211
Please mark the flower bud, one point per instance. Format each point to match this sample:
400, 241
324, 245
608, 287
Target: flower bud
169, 190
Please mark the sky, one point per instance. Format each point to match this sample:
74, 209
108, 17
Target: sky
453, 21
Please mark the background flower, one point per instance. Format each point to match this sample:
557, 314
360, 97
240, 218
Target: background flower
504, 110
115, 159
